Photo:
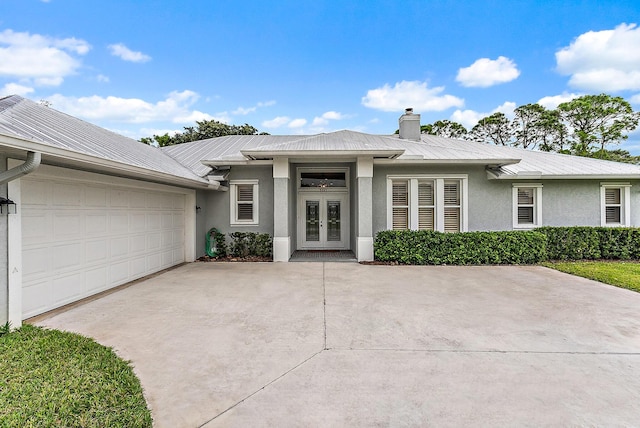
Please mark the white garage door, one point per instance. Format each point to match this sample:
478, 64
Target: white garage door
81, 236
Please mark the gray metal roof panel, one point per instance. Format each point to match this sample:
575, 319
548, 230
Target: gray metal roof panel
31, 121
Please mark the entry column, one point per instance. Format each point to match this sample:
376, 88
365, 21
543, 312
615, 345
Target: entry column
364, 176
281, 234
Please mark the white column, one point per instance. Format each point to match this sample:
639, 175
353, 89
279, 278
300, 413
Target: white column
364, 176
14, 257
281, 235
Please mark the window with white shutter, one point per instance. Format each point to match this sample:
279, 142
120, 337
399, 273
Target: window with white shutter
426, 205
615, 209
244, 202
400, 204
427, 202
527, 206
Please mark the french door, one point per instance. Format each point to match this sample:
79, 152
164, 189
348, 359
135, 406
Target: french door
323, 221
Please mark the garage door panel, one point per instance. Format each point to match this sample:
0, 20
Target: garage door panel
138, 244
36, 297
96, 250
36, 261
96, 280
68, 256
118, 222
35, 225
119, 247
96, 223
95, 197
35, 192
68, 224
67, 195
68, 288
81, 237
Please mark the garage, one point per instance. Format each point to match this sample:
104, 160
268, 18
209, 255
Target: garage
83, 233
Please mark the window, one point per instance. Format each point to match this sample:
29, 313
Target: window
244, 202
615, 210
427, 203
527, 206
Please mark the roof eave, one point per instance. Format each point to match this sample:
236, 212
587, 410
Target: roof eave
325, 154
98, 164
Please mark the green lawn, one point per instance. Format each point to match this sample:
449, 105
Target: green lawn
621, 274
50, 378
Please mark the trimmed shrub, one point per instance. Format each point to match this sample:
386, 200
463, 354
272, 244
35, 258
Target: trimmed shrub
245, 244
589, 243
469, 248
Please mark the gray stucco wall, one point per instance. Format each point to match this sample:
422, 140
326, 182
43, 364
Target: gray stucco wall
201, 221
353, 208
216, 209
4, 283
564, 202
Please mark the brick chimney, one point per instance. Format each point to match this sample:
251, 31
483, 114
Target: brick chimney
410, 125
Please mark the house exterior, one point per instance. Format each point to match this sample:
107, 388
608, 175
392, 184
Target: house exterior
94, 209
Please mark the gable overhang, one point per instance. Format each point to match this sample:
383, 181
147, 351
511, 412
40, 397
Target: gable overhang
55, 156
489, 163
527, 175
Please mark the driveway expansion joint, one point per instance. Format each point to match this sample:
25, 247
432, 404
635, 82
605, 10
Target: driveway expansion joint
483, 351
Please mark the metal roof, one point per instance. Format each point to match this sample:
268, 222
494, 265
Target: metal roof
27, 120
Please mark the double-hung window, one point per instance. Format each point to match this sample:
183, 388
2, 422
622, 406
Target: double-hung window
244, 202
527, 206
427, 203
614, 204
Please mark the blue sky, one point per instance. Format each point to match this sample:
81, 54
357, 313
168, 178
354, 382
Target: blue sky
295, 67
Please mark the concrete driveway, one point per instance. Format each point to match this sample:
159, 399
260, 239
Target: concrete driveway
343, 344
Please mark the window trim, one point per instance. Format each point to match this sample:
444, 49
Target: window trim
625, 206
537, 205
438, 180
233, 203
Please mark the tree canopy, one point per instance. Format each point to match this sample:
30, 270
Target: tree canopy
203, 130
585, 126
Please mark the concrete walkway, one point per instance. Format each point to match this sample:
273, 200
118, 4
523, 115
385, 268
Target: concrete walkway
343, 344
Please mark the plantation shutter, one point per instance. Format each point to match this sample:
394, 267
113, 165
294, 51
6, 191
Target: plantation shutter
452, 206
426, 205
400, 204
244, 200
613, 205
525, 205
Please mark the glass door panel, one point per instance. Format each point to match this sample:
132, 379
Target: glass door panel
333, 221
312, 222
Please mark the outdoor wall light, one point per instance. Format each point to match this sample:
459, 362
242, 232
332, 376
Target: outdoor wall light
8, 203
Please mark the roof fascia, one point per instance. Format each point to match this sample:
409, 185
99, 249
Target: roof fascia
97, 163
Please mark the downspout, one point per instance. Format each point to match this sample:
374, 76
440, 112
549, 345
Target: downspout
30, 165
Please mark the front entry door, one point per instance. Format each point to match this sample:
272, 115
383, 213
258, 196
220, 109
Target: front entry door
323, 221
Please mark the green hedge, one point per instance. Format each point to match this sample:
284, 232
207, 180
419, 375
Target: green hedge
592, 243
244, 244
468, 248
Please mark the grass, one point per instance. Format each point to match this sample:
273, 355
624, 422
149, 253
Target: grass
621, 274
58, 379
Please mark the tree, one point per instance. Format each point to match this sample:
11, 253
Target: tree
597, 120
528, 125
445, 128
555, 133
205, 129
496, 129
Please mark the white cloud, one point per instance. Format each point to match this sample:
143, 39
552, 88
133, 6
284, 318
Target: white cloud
245, 111
297, 123
32, 56
276, 122
126, 54
176, 108
326, 117
553, 101
470, 118
15, 89
102, 78
414, 94
606, 60
635, 99
486, 72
